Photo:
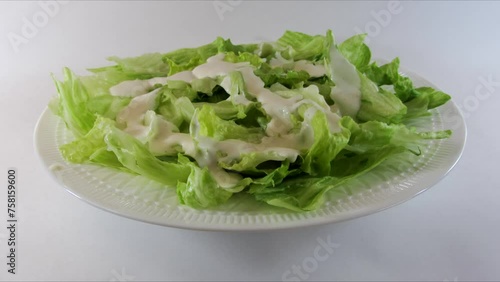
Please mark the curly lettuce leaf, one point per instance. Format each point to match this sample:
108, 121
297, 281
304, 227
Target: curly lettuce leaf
301, 46
325, 148
426, 98
91, 148
356, 51
135, 156
210, 125
378, 104
71, 104
200, 190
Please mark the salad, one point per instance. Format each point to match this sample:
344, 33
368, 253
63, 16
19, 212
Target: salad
283, 121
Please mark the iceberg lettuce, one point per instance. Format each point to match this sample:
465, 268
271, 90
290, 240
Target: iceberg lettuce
285, 122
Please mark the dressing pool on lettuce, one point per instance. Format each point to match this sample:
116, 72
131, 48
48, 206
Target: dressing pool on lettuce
284, 121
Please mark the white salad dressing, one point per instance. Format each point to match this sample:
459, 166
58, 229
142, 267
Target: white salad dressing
312, 69
206, 156
279, 61
216, 66
168, 140
281, 149
133, 88
347, 90
132, 116
140, 120
333, 118
277, 107
389, 88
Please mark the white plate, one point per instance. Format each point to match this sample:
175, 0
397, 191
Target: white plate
392, 183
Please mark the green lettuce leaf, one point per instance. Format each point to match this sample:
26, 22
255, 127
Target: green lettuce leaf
273, 178
210, 125
99, 83
107, 106
372, 135
204, 85
189, 58
200, 190
325, 148
426, 98
141, 67
388, 74
307, 193
287, 78
250, 58
378, 104
355, 51
301, 46
226, 109
235, 86
176, 107
254, 162
71, 104
91, 148
135, 156
157, 64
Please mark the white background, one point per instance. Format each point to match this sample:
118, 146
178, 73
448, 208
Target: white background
449, 233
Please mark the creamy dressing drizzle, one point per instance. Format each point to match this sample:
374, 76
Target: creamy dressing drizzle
141, 121
279, 61
216, 66
312, 69
347, 90
133, 88
132, 116
168, 140
333, 118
